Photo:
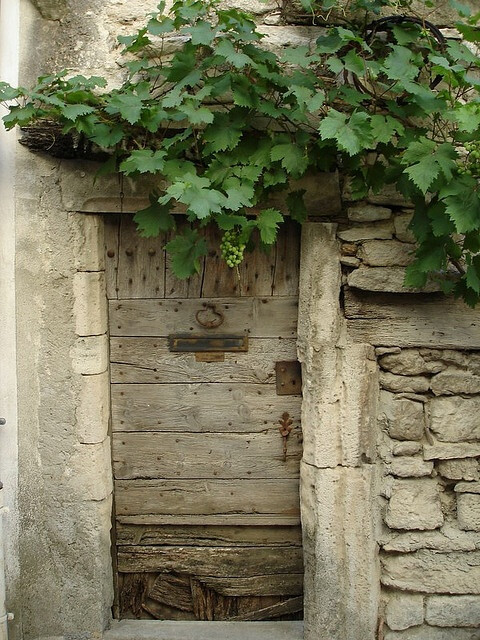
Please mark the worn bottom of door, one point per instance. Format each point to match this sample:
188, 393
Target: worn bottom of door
206, 444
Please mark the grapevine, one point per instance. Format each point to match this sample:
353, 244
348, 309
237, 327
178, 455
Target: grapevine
232, 247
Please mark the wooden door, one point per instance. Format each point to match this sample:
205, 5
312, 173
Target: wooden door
206, 496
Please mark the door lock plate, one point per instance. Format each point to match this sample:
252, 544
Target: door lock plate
289, 378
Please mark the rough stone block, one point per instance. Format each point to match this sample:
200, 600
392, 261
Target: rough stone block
385, 279
453, 611
90, 471
414, 504
425, 632
368, 213
341, 559
447, 539
466, 469
428, 571
386, 253
389, 196
381, 231
407, 384
90, 355
89, 245
409, 362
90, 303
406, 467
404, 419
93, 408
467, 487
468, 511
455, 419
451, 450
451, 383
404, 611
401, 222
406, 448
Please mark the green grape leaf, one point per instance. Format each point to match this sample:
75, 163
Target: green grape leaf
143, 161
9, 93
472, 278
267, 223
239, 193
201, 33
106, 136
186, 249
196, 114
384, 128
427, 161
21, 115
462, 203
154, 219
292, 157
236, 58
159, 27
227, 222
296, 205
352, 135
128, 105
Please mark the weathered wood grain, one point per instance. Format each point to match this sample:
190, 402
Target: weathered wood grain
112, 228
287, 261
206, 455
209, 561
257, 271
411, 321
173, 591
227, 519
271, 585
259, 317
141, 263
292, 605
148, 360
208, 497
200, 407
208, 535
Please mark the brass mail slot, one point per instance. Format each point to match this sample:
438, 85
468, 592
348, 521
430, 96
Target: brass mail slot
188, 343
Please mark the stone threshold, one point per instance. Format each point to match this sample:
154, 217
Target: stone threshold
172, 630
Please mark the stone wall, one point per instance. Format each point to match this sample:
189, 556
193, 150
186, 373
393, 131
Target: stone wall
428, 431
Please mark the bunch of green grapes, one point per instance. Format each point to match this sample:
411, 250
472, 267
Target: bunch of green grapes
232, 248
471, 164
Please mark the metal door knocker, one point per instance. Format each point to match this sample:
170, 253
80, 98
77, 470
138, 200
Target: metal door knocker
204, 316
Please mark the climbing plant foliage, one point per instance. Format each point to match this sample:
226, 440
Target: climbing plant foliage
224, 123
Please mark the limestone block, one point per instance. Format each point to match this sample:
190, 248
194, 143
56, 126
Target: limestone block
455, 419
341, 559
451, 450
406, 448
279, 37
90, 303
401, 222
381, 231
90, 471
407, 467
414, 504
389, 196
254, 7
427, 571
425, 632
368, 213
90, 355
448, 538
89, 247
93, 408
453, 382
350, 261
404, 419
386, 253
468, 511
467, 487
466, 469
404, 611
408, 384
453, 611
409, 362
385, 279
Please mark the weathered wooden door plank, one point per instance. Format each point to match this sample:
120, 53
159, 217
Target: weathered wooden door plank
149, 360
206, 455
292, 605
208, 497
208, 536
200, 407
220, 519
211, 561
259, 317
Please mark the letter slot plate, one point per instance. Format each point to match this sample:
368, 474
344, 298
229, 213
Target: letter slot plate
289, 378
188, 343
